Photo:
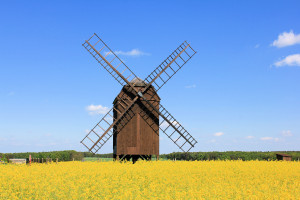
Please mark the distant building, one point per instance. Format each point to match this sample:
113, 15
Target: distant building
286, 157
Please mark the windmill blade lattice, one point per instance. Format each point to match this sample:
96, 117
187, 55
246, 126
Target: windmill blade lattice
170, 65
103, 130
100, 51
109, 60
96, 138
175, 131
170, 126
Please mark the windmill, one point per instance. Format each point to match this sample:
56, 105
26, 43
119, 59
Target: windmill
137, 115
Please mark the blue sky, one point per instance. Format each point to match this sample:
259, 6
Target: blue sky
239, 92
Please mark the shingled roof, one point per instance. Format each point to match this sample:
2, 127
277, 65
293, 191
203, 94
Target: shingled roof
284, 155
138, 82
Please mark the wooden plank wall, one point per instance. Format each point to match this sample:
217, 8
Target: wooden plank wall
137, 137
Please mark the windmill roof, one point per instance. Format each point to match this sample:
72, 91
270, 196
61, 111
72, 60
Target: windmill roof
283, 154
138, 82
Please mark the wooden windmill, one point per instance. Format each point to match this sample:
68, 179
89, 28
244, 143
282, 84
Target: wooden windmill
137, 115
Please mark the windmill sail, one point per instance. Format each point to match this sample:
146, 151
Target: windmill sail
96, 138
109, 60
175, 131
170, 126
158, 78
171, 65
103, 130
100, 134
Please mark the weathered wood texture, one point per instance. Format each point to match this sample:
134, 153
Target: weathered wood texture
137, 137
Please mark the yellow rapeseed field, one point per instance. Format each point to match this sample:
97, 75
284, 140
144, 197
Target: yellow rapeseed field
152, 180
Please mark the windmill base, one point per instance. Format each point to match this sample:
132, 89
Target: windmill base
133, 158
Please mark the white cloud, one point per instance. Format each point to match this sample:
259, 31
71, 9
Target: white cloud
190, 86
97, 109
250, 137
219, 134
287, 133
109, 118
256, 46
133, 52
286, 39
266, 138
3, 139
291, 60
269, 139
165, 124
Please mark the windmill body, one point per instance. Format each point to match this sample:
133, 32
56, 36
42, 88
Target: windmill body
137, 116
137, 137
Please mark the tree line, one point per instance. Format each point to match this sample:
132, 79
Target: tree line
60, 155
69, 155
229, 155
